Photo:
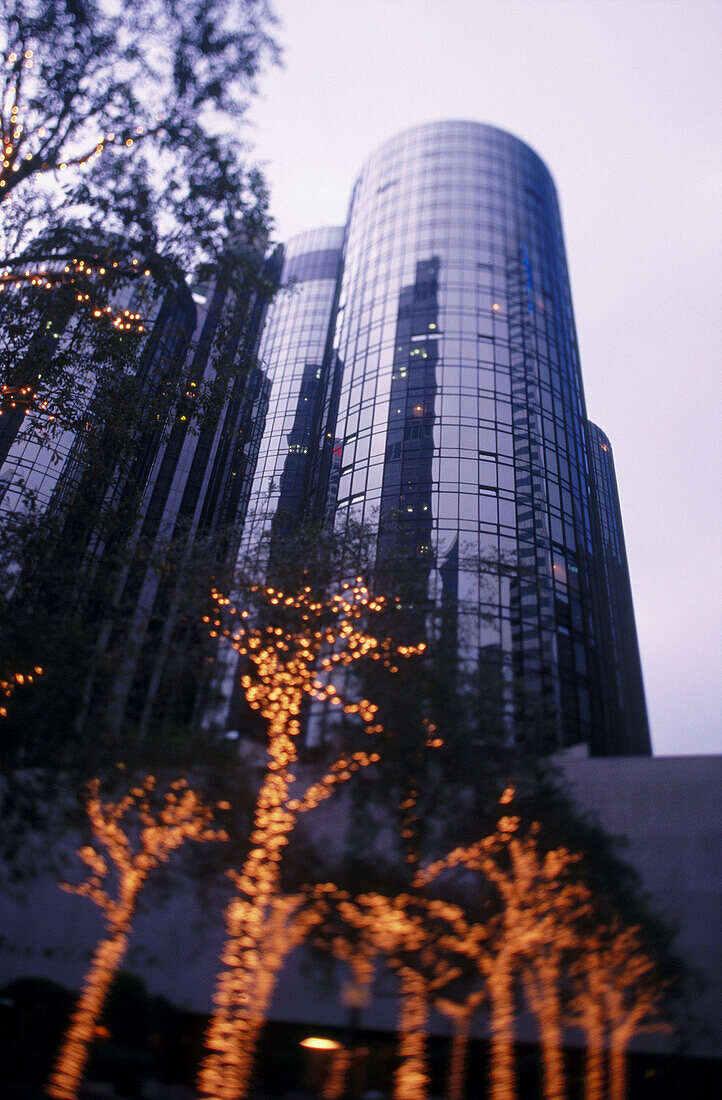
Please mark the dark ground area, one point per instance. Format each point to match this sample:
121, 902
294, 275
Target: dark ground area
148, 1050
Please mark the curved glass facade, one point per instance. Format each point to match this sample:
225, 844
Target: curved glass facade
291, 354
461, 414
288, 428
423, 375
627, 728
43, 462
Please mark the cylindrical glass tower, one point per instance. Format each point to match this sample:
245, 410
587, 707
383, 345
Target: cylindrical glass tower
461, 419
291, 354
626, 725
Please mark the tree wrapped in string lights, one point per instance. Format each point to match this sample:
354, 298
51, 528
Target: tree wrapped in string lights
134, 846
300, 644
94, 97
538, 921
417, 936
617, 993
461, 1013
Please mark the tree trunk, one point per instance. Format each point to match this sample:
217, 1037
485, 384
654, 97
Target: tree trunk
243, 995
617, 1071
552, 1057
70, 1065
502, 1084
334, 1085
219, 1073
457, 1067
594, 1065
249, 956
411, 1078
243, 999
273, 956
541, 983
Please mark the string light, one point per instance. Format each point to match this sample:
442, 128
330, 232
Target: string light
85, 281
21, 82
18, 679
78, 273
538, 922
182, 816
615, 997
288, 665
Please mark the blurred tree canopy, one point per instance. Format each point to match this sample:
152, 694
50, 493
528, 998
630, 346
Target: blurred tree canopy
126, 116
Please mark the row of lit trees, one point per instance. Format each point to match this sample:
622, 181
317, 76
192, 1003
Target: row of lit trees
542, 922
542, 945
527, 924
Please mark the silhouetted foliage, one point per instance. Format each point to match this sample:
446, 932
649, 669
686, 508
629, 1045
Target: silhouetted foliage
134, 111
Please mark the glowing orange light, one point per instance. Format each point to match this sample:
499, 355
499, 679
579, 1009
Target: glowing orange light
316, 1043
19, 679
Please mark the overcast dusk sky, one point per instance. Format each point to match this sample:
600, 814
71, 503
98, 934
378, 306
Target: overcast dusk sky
622, 100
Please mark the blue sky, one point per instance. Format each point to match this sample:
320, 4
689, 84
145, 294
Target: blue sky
622, 100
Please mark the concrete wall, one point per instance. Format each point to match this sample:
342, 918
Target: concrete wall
670, 810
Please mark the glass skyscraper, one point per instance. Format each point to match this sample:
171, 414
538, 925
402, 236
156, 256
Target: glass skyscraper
425, 375
291, 355
43, 456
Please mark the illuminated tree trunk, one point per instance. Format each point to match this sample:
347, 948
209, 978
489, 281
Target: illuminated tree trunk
588, 1014
617, 1069
542, 988
334, 1087
502, 1085
457, 1066
594, 1064
73, 1055
249, 1031
252, 954
244, 996
411, 1078
552, 1061
278, 940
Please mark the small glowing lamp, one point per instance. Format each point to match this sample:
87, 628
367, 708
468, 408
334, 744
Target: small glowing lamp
315, 1042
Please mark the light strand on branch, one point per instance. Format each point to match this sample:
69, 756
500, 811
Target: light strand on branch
18, 679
